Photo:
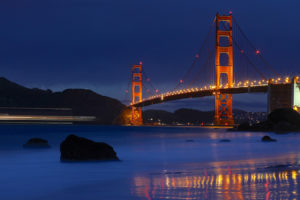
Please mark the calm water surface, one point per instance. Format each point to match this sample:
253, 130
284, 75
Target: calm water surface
157, 163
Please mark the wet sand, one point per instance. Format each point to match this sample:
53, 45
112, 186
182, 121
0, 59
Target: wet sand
157, 163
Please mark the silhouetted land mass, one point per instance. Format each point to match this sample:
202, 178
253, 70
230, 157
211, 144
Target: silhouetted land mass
82, 102
197, 117
180, 116
281, 120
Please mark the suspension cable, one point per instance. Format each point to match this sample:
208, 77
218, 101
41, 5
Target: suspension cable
255, 68
247, 58
204, 64
198, 54
259, 55
150, 83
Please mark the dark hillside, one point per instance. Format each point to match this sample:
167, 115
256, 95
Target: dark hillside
83, 102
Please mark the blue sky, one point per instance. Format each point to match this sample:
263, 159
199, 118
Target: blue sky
60, 44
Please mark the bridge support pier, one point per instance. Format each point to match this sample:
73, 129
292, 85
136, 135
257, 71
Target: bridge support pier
284, 95
223, 109
137, 118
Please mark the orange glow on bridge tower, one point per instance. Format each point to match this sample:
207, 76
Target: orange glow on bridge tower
137, 91
223, 102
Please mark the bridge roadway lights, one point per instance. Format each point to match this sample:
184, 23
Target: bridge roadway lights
284, 95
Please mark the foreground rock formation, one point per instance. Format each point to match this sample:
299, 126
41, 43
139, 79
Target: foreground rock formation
282, 120
75, 148
267, 138
36, 143
225, 140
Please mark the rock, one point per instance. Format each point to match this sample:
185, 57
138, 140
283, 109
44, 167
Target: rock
190, 140
268, 139
282, 120
285, 120
36, 143
279, 167
225, 140
232, 129
285, 115
244, 126
284, 127
75, 148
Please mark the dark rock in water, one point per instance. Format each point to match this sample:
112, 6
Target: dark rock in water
279, 167
36, 143
268, 139
190, 140
285, 120
285, 115
282, 120
225, 140
232, 129
75, 148
284, 127
244, 126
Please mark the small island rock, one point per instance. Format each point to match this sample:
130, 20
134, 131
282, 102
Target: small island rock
190, 140
225, 140
75, 148
267, 138
36, 143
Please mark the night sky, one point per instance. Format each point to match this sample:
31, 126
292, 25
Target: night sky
92, 44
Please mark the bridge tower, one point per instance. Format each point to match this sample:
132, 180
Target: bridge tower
223, 102
137, 91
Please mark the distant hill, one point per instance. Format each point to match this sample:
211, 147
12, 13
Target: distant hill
180, 116
282, 120
106, 110
82, 102
196, 117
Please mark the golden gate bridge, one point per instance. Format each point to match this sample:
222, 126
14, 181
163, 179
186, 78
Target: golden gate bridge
226, 64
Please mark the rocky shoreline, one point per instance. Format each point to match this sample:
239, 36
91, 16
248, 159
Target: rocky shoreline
283, 120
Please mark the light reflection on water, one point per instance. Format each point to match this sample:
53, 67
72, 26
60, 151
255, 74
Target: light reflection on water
266, 184
157, 163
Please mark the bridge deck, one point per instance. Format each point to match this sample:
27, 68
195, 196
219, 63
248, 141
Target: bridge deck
200, 93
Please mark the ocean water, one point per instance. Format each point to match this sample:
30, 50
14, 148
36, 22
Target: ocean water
156, 163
